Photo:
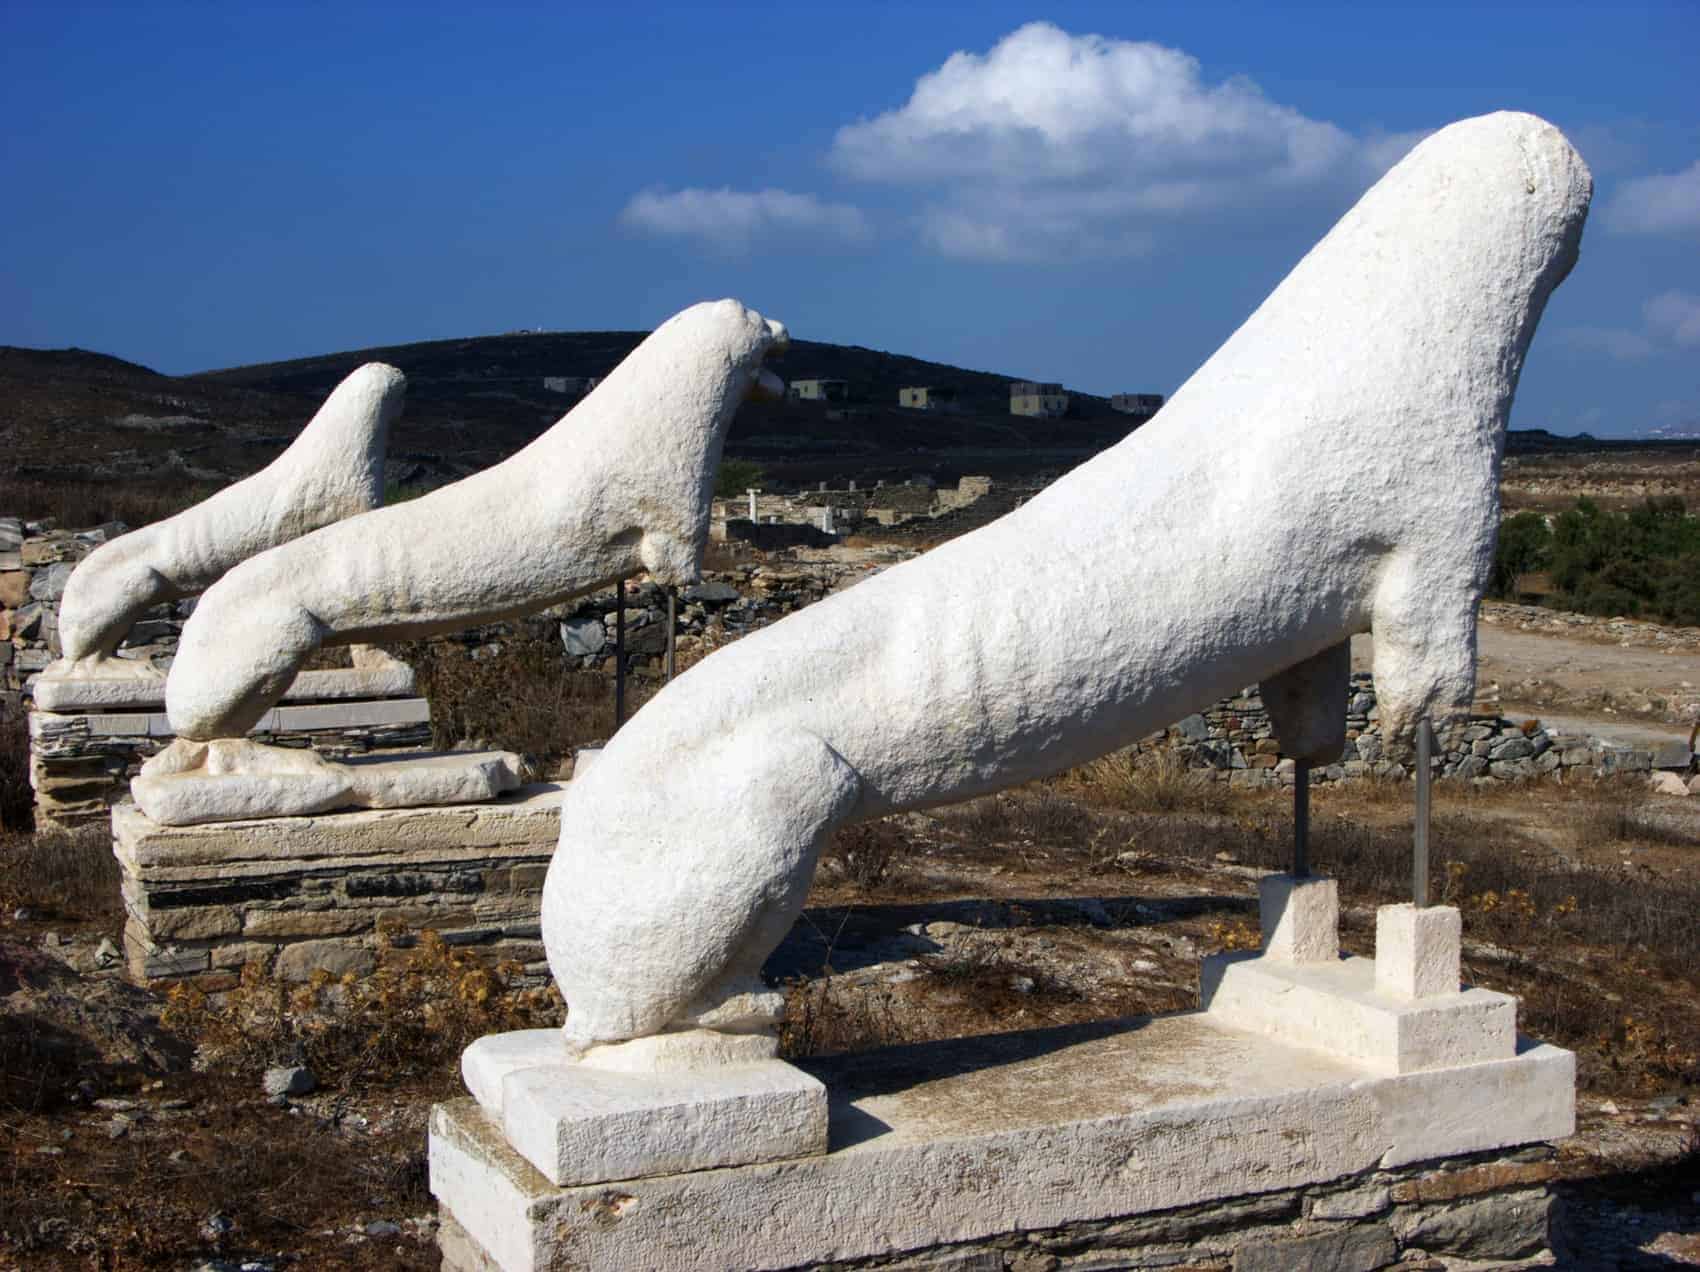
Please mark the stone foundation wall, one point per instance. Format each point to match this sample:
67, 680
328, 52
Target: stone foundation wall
1492, 1209
301, 893
1234, 741
35, 561
1489, 1207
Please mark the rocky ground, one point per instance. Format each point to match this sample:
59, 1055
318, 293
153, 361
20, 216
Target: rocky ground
135, 1134
121, 1146
1616, 477
1610, 676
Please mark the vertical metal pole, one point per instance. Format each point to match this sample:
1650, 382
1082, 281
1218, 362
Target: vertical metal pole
1419, 857
672, 627
1301, 818
620, 652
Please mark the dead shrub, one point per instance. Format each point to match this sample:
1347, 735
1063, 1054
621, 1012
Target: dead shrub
416, 1012
868, 855
72, 876
1156, 782
517, 693
1232, 934
985, 970
17, 799
824, 1017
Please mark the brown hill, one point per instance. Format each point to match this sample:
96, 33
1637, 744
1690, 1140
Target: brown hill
70, 417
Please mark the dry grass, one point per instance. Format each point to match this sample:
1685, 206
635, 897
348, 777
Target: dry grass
1157, 782
518, 693
414, 1014
1027, 814
17, 799
64, 876
83, 504
1602, 950
1614, 811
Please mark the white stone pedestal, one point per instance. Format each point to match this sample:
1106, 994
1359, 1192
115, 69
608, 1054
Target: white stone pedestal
1417, 952
1402, 1012
1337, 1008
1300, 917
1304, 1070
582, 1125
948, 1143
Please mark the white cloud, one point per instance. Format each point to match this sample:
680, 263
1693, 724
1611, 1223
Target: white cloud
1665, 203
1620, 342
734, 220
1053, 144
1669, 319
1675, 315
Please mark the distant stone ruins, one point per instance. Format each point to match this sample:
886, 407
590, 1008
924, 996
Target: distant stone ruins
816, 518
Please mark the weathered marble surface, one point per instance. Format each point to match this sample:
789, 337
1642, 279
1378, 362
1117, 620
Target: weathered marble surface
1331, 469
334, 469
948, 1142
335, 684
621, 485
229, 779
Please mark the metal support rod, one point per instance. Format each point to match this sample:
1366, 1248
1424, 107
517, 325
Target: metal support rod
672, 629
1425, 776
1301, 818
620, 652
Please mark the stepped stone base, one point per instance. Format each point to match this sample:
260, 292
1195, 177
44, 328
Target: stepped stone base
299, 893
81, 763
331, 685
1177, 1139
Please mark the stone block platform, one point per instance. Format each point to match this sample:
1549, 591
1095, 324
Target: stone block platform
299, 893
1182, 1138
1318, 1112
88, 738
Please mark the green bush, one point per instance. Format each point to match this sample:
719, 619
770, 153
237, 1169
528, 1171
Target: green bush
1644, 562
736, 476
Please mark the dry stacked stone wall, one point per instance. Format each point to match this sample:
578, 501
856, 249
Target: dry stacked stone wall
1487, 1210
1234, 741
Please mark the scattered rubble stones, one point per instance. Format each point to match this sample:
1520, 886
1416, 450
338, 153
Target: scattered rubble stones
289, 1080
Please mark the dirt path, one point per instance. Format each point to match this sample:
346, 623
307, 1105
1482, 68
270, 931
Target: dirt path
1628, 693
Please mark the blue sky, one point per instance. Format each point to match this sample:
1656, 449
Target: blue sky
1092, 193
